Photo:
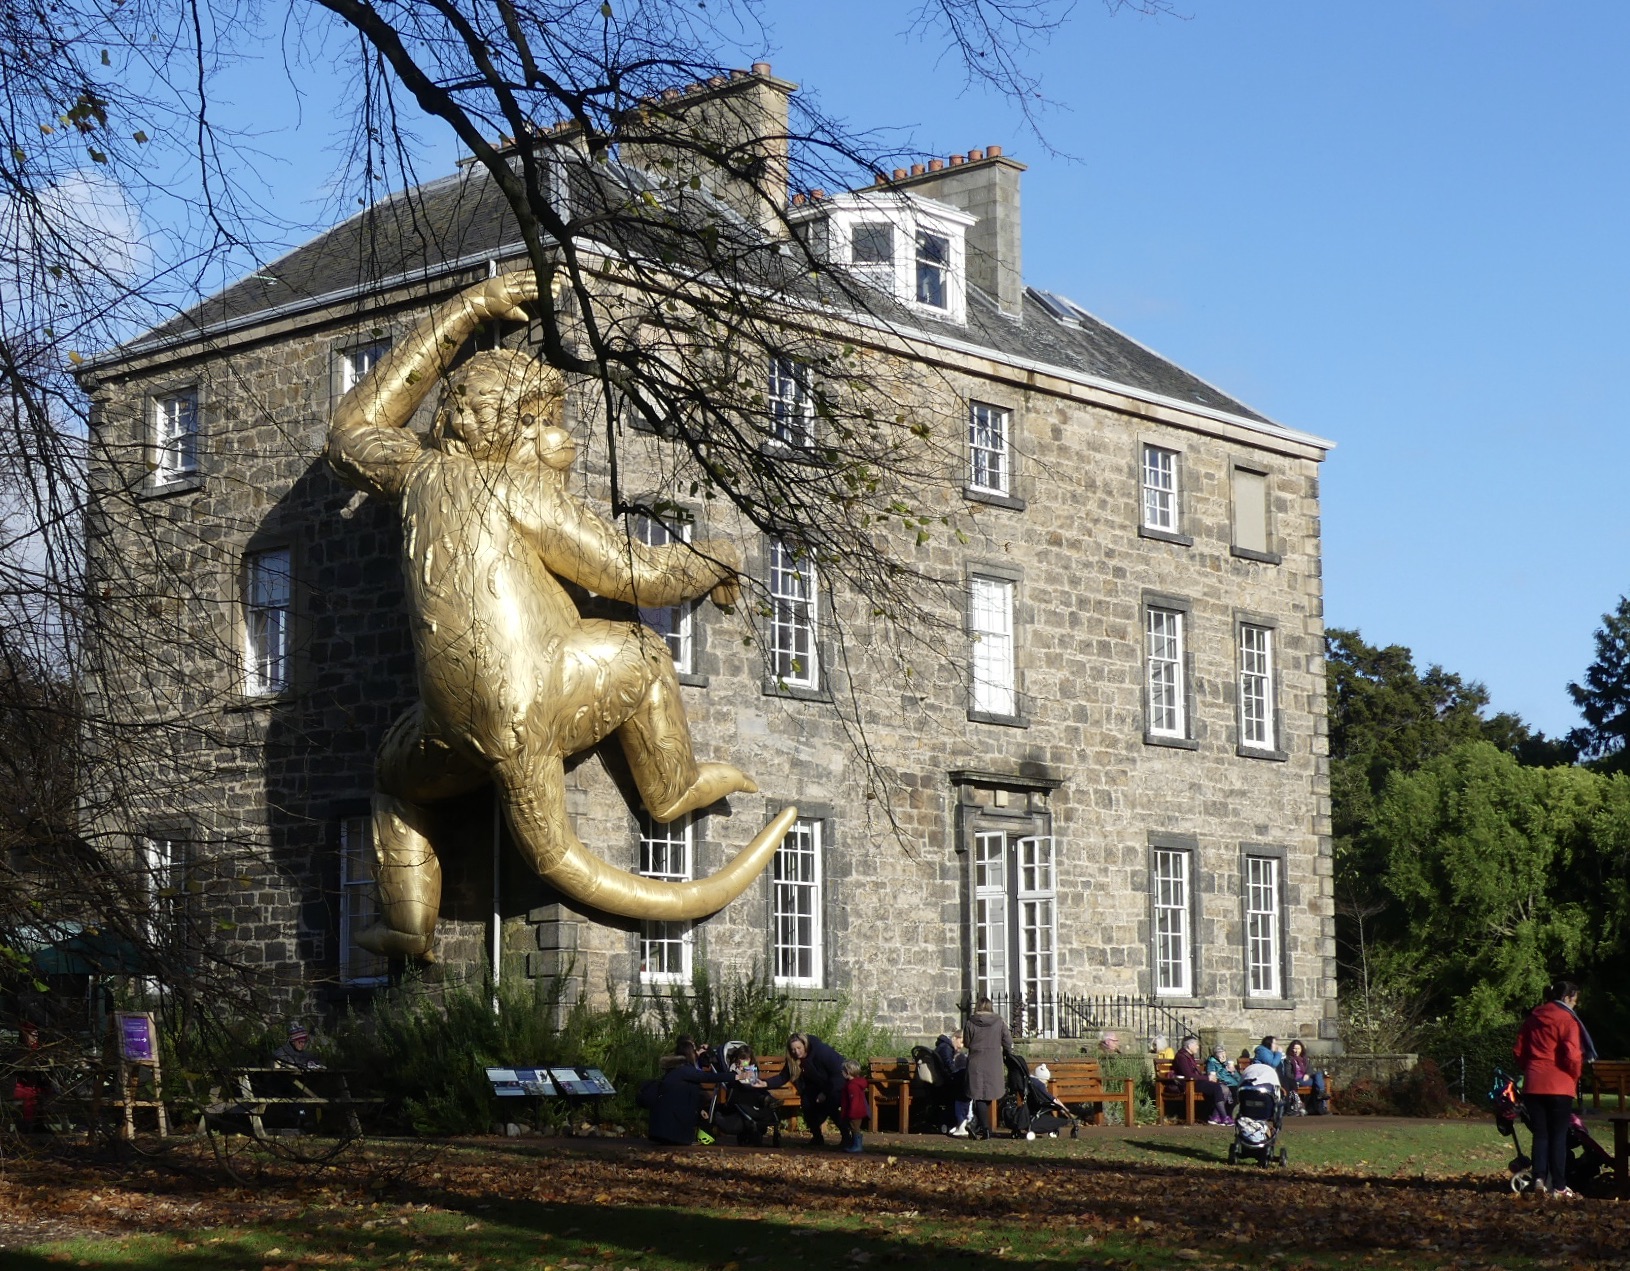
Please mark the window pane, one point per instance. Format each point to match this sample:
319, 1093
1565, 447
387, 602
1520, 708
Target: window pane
1256, 686
933, 263
792, 409
1160, 489
359, 906
1250, 510
665, 853
987, 448
796, 906
1164, 636
991, 620
990, 915
672, 622
792, 617
175, 434
1037, 910
356, 363
872, 243
1171, 888
267, 602
1262, 926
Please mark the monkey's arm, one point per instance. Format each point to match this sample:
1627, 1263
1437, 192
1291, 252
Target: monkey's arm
366, 441
579, 544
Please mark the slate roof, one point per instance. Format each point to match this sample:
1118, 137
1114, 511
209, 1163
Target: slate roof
463, 220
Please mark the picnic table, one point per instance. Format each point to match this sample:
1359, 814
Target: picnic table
304, 1114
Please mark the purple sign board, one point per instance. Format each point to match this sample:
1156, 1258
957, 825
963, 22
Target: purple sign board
136, 1043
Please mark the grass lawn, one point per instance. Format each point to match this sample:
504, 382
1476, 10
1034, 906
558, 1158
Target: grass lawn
1358, 1193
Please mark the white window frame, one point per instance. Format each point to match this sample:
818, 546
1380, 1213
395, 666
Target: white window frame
930, 268
667, 852
791, 403
355, 363
794, 617
1165, 674
991, 977
797, 919
268, 610
359, 905
1160, 489
1263, 909
989, 433
1037, 905
674, 623
1256, 686
175, 435
993, 679
878, 222
1172, 896
163, 863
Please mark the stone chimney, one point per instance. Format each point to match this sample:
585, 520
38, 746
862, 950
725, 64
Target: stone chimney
743, 118
983, 183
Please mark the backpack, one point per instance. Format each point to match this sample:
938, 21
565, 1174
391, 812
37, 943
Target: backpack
927, 1065
1015, 1116
646, 1096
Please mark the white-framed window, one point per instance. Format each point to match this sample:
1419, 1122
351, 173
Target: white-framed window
795, 907
933, 270
871, 243
990, 620
674, 623
1262, 954
1174, 961
1038, 935
987, 447
163, 870
793, 616
1163, 633
268, 602
359, 904
175, 435
792, 405
1250, 510
356, 363
1256, 722
1160, 489
990, 916
666, 852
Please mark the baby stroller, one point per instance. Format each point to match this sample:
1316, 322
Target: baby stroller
1259, 1115
745, 1112
934, 1089
1586, 1157
1027, 1110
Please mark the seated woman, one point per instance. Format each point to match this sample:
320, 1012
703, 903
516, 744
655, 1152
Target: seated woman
678, 1111
1297, 1070
1223, 1070
1186, 1068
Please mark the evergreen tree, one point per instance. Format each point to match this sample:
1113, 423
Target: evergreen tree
1604, 697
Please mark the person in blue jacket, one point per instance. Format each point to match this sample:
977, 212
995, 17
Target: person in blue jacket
678, 1111
816, 1072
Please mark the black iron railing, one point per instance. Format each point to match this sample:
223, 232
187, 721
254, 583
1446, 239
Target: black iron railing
1070, 1016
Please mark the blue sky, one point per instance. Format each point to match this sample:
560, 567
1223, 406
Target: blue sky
1398, 224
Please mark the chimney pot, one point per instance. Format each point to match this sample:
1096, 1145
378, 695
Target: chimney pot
878, 178
670, 94
817, 194
761, 69
957, 160
798, 200
936, 165
900, 174
974, 156
693, 87
917, 169
737, 74
993, 152
716, 81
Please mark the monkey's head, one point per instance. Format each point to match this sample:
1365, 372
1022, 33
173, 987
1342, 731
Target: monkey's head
505, 405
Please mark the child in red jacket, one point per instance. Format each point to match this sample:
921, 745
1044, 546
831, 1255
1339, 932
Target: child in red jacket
855, 1106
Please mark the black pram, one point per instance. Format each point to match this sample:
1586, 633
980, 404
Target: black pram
1027, 1110
1259, 1115
1586, 1157
744, 1112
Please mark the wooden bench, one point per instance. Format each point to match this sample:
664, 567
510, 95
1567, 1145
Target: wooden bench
889, 1083
1079, 1085
1164, 1098
1612, 1075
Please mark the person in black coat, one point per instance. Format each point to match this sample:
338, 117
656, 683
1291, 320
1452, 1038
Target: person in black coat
678, 1110
816, 1072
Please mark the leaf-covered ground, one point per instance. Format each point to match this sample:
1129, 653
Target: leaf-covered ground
1361, 1193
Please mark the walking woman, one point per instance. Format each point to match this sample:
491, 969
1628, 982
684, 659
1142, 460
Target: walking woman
989, 1044
1551, 1049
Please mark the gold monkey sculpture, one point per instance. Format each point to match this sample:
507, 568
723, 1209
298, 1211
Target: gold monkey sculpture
512, 679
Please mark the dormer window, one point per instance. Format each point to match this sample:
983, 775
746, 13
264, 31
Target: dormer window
933, 265
872, 243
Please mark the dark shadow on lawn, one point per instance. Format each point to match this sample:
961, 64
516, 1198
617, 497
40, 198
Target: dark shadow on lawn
1170, 1147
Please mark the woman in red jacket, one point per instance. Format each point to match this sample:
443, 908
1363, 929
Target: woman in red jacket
1551, 1049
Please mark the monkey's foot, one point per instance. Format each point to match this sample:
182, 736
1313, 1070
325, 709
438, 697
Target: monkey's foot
713, 782
391, 943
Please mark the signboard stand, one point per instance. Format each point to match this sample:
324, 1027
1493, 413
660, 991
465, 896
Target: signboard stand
140, 1083
575, 1086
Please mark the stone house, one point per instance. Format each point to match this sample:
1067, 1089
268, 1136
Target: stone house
1110, 784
